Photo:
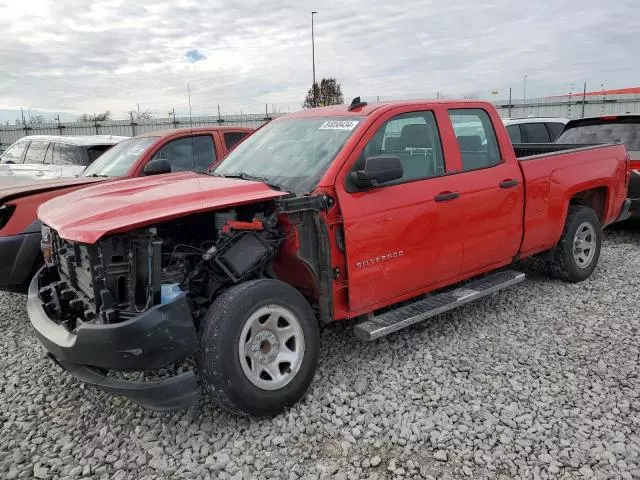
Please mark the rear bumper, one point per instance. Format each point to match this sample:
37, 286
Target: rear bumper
160, 337
18, 254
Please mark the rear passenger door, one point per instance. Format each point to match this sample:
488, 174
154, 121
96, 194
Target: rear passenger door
491, 197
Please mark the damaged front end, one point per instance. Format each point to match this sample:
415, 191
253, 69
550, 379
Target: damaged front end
132, 302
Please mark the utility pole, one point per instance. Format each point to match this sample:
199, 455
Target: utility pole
509, 115
313, 61
584, 98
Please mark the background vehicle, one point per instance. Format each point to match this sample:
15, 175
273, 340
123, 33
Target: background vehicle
623, 129
46, 156
534, 129
148, 154
314, 218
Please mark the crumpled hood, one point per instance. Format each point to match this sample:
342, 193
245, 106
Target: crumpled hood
16, 187
88, 214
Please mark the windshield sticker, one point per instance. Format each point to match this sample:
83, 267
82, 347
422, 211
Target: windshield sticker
339, 125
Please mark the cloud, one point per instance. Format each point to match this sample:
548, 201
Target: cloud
194, 56
110, 55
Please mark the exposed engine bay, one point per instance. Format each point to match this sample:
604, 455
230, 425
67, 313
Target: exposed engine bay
125, 274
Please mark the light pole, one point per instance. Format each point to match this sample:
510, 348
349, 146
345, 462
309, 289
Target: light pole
524, 89
313, 61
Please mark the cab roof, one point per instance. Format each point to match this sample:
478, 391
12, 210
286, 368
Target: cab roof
180, 131
369, 108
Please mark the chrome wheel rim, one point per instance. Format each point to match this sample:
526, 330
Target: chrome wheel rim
584, 245
271, 347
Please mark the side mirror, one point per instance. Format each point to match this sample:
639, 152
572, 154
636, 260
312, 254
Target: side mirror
157, 167
377, 170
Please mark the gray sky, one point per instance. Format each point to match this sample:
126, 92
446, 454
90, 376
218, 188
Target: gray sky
78, 56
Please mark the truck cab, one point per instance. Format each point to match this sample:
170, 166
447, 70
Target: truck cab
369, 212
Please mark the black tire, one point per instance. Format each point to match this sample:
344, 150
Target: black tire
564, 265
218, 361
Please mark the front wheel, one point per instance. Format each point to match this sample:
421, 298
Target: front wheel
259, 348
578, 250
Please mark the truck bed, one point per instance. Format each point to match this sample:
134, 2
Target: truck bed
550, 184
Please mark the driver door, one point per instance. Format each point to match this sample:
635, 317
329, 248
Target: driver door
402, 236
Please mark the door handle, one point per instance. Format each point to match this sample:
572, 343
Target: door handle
509, 183
39, 173
446, 196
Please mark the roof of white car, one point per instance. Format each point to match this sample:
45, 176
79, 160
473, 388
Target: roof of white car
515, 121
81, 140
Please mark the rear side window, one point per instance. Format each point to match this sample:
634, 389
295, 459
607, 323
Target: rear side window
476, 138
188, 154
535, 133
514, 133
555, 129
14, 153
36, 152
96, 150
68, 155
626, 133
231, 139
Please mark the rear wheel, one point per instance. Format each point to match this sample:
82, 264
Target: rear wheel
578, 250
259, 348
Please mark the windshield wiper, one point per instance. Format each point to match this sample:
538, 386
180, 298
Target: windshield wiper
247, 176
98, 176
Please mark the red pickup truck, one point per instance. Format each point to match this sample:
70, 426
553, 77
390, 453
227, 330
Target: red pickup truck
148, 154
363, 211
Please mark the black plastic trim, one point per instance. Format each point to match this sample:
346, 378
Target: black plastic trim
159, 337
179, 391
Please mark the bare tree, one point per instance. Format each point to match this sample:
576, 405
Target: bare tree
137, 115
473, 95
95, 117
35, 119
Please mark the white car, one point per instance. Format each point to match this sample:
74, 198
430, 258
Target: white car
48, 156
534, 129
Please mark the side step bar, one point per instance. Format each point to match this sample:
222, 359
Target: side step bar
394, 320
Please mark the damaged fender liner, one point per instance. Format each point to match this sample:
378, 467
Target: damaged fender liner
159, 337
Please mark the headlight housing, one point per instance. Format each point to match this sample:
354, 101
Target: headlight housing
46, 244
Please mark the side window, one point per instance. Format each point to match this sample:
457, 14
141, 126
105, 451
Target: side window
13, 154
412, 137
476, 138
188, 154
231, 139
555, 129
535, 132
36, 152
68, 155
514, 133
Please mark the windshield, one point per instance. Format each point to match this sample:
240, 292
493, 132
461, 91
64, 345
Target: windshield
625, 133
118, 160
290, 154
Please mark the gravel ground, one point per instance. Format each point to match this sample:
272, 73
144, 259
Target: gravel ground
537, 382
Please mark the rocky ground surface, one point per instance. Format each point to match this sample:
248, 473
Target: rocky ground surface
541, 381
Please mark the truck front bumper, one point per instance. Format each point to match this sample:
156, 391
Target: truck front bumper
159, 337
18, 254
